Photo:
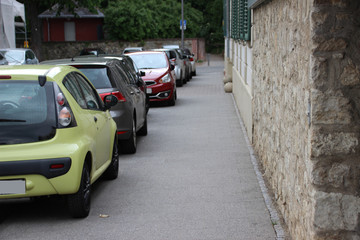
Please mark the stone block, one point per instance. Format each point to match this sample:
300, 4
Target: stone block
334, 44
350, 75
335, 211
330, 107
329, 144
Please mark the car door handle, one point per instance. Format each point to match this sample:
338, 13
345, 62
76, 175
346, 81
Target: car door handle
95, 119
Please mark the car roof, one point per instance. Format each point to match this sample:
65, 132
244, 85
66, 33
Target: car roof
129, 48
94, 60
14, 49
144, 52
32, 72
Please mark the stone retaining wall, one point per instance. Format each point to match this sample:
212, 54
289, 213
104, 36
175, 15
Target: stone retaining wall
57, 50
306, 113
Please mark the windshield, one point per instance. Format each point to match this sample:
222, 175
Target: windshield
27, 112
13, 56
149, 61
97, 76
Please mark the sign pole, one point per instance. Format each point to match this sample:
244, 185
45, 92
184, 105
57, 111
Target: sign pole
182, 23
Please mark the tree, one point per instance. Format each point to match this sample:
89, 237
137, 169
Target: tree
35, 7
138, 20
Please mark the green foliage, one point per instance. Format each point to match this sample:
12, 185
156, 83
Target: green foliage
137, 20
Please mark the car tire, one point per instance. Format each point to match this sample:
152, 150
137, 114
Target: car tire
194, 73
143, 130
128, 146
172, 101
79, 202
112, 171
180, 82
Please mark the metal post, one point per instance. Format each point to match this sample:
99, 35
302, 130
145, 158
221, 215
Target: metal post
182, 23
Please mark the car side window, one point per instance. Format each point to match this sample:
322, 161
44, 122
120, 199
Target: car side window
124, 78
172, 54
72, 86
29, 55
90, 94
130, 74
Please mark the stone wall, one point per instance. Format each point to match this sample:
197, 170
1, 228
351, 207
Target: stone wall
335, 118
57, 50
281, 98
306, 109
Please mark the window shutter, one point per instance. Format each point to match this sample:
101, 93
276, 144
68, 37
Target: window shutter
240, 20
234, 19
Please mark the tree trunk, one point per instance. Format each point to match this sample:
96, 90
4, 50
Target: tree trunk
35, 40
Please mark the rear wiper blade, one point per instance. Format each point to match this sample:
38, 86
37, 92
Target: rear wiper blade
11, 120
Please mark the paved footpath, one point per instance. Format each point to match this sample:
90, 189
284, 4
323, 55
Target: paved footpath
195, 178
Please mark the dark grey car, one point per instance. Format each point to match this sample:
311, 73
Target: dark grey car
110, 76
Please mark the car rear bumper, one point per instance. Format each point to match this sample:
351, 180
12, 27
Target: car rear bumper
48, 168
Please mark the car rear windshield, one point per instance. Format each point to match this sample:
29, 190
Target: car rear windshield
13, 56
27, 112
149, 61
97, 75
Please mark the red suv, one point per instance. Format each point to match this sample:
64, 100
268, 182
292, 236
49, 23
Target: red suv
159, 75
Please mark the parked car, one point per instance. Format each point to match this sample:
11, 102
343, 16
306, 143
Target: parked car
19, 56
132, 49
92, 51
3, 60
161, 84
175, 59
191, 57
111, 78
134, 72
187, 64
56, 135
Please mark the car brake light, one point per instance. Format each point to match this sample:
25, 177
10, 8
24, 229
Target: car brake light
117, 94
191, 59
60, 99
5, 77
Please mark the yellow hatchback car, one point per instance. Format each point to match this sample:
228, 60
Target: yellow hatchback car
57, 136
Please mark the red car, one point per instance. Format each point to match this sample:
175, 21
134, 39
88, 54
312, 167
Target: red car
159, 75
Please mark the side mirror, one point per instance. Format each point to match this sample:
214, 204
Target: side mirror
109, 101
141, 74
172, 67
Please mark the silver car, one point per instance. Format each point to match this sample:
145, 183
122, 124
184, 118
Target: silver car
19, 56
176, 59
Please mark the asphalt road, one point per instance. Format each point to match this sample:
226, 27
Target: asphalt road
191, 178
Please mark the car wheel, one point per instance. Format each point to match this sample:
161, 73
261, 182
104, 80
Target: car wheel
180, 82
112, 171
147, 104
129, 145
143, 130
79, 202
194, 73
172, 101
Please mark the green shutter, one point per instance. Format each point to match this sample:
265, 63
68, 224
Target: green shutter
241, 20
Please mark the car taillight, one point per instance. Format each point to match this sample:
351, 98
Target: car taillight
60, 99
117, 94
64, 117
191, 59
5, 77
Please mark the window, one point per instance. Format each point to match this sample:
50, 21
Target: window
72, 86
240, 20
90, 95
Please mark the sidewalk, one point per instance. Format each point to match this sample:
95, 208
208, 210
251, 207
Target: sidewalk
198, 172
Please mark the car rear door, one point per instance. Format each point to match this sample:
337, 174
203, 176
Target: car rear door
99, 135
